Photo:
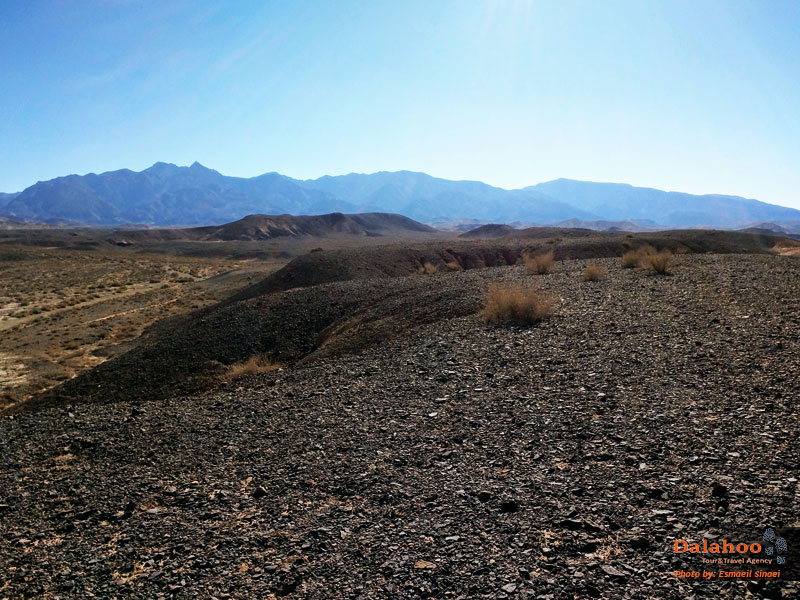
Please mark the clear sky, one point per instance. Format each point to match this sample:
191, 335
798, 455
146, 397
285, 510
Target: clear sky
699, 96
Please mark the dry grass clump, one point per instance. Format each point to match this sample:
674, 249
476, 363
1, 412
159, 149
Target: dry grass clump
517, 304
658, 263
638, 257
540, 264
429, 268
594, 273
453, 266
630, 259
254, 365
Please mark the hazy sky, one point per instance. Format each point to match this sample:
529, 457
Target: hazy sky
696, 96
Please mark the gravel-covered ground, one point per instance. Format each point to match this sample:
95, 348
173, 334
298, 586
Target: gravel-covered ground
456, 460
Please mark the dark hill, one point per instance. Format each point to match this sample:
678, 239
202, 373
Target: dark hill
492, 230
264, 227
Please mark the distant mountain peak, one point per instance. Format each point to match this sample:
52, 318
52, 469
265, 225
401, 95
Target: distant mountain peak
161, 167
196, 166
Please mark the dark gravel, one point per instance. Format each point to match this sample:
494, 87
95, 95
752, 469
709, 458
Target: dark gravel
455, 460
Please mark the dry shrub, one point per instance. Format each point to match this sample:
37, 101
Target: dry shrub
594, 273
646, 250
429, 268
630, 259
540, 263
453, 266
517, 304
658, 263
638, 257
254, 365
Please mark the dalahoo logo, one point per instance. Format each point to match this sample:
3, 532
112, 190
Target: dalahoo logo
724, 548
769, 555
780, 545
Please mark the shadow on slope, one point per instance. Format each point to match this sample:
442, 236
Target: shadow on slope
187, 354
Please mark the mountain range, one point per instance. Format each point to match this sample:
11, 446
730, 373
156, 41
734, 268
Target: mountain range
166, 194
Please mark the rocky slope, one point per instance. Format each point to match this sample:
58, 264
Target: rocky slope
456, 460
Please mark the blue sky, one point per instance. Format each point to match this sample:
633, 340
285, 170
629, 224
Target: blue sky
699, 96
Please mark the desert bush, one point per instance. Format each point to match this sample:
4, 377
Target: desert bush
517, 304
658, 263
452, 266
429, 268
254, 365
540, 264
638, 257
594, 273
630, 259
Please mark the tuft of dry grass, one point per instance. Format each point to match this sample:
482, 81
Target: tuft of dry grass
646, 250
630, 259
540, 264
254, 365
453, 266
658, 263
638, 257
517, 304
594, 273
429, 268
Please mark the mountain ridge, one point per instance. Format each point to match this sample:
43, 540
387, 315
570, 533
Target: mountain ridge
166, 194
